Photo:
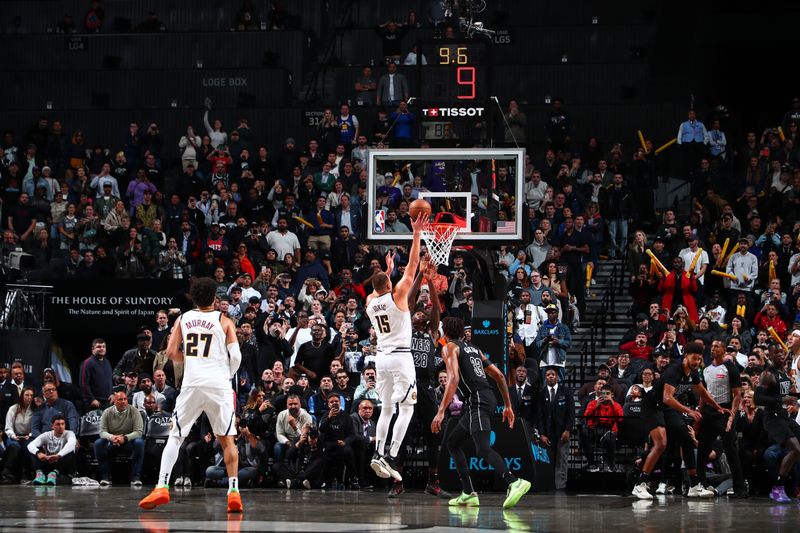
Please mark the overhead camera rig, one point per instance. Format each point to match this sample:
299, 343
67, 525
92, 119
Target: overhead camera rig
466, 10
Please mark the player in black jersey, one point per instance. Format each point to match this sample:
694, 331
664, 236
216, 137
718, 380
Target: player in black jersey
661, 417
467, 368
424, 340
782, 430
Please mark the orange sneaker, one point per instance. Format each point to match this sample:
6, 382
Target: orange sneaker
234, 502
155, 498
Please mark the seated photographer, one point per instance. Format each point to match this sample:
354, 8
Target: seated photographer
288, 427
251, 457
602, 416
336, 429
307, 466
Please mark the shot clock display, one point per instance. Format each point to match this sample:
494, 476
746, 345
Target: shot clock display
454, 91
455, 73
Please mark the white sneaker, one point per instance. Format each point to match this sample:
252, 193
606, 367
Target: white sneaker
699, 491
641, 492
179, 482
665, 490
307, 484
187, 483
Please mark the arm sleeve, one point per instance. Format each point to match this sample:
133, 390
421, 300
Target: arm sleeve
209, 129
33, 446
104, 434
138, 426
235, 355
69, 447
279, 429
73, 419
10, 422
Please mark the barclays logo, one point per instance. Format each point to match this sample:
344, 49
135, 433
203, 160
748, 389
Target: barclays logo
485, 332
481, 464
486, 323
540, 454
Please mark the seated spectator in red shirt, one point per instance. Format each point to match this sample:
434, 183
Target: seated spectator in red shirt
602, 416
638, 348
769, 317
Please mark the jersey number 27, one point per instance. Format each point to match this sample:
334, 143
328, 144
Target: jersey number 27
197, 343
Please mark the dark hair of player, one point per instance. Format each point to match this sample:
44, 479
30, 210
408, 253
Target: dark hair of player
203, 292
693, 347
453, 328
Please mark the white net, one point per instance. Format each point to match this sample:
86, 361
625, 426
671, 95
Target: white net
439, 239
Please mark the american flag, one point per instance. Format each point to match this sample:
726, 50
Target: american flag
506, 226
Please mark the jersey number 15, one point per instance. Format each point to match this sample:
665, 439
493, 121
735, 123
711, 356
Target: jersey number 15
383, 323
197, 343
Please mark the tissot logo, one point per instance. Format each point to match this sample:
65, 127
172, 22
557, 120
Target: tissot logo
453, 111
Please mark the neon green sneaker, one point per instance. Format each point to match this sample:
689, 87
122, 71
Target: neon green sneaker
516, 491
466, 500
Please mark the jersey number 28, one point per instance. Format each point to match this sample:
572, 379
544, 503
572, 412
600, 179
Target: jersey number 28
197, 343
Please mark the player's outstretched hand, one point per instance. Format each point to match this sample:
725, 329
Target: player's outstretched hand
436, 425
419, 223
508, 416
428, 268
390, 260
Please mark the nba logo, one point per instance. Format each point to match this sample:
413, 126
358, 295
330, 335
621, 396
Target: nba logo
380, 221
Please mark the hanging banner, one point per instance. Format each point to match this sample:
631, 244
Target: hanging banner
112, 305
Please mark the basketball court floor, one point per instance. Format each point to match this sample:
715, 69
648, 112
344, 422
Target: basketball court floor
114, 509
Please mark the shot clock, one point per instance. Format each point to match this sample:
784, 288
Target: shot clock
454, 92
455, 74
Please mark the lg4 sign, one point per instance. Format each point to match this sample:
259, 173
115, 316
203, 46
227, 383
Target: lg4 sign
198, 345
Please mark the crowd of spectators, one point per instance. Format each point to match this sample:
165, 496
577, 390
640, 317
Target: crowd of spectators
281, 232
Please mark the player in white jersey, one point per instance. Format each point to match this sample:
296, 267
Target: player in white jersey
211, 357
396, 376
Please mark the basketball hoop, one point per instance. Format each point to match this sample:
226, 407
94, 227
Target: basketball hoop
439, 238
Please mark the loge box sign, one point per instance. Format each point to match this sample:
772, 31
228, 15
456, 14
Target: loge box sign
84, 307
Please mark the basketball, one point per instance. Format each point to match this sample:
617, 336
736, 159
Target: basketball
418, 207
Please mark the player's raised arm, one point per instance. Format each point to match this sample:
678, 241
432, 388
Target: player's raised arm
404, 285
174, 345
429, 269
414, 291
494, 372
450, 358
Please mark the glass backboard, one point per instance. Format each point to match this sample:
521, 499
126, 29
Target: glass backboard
479, 189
